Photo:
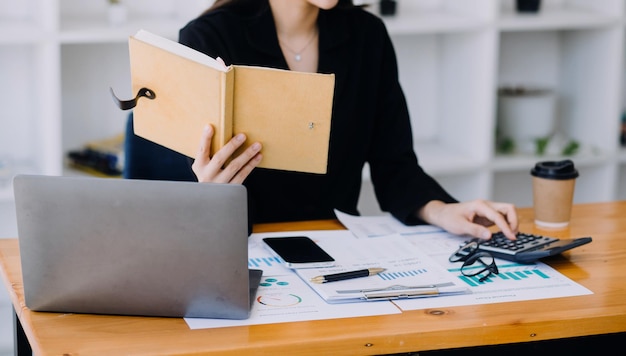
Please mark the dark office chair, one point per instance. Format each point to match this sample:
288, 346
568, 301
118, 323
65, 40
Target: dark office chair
147, 160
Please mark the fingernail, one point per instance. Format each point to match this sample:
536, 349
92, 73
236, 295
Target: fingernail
486, 235
207, 128
256, 146
240, 137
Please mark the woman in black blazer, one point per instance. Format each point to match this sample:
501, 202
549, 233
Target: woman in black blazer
370, 119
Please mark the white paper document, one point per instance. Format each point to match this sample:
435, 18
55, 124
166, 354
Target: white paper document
415, 260
409, 273
379, 226
514, 282
284, 297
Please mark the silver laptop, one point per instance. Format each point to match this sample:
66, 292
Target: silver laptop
134, 247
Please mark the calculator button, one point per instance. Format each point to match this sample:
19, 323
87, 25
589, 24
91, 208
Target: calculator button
524, 241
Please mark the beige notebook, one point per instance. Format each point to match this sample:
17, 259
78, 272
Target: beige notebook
289, 112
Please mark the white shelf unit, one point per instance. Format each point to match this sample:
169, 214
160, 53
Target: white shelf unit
453, 57
577, 48
58, 59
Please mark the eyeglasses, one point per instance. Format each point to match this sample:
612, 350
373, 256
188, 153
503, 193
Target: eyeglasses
475, 264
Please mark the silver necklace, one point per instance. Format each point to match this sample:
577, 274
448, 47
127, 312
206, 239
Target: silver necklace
297, 55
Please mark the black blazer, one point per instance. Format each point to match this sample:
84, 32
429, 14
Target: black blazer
370, 120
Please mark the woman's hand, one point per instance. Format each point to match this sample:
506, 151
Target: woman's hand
212, 169
472, 218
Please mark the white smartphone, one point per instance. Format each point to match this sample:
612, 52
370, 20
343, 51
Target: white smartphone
299, 252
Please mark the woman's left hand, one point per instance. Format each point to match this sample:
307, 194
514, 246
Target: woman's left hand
472, 218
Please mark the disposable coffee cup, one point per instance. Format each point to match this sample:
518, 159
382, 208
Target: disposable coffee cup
553, 192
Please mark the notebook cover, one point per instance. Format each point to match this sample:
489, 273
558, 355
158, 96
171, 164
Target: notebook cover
288, 112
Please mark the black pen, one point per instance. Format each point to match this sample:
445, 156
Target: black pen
347, 275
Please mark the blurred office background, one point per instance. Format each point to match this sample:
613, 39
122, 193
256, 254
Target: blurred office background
491, 91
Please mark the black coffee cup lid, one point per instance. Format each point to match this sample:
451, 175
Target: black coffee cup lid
555, 170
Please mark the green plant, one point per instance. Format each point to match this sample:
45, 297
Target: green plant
541, 144
506, 145
571, 148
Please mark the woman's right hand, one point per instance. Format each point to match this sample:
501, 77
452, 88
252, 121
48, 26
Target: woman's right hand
213, 169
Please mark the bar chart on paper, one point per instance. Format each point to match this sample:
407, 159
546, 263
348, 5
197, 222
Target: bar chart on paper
514, 281
509, 273
261, 262
388, 276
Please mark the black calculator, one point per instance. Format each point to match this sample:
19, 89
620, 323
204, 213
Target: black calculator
528, 248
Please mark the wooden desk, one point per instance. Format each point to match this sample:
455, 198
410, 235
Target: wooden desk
599, 266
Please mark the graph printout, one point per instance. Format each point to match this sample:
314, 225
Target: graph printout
286, 296
282, 296
515, 282
408, 271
